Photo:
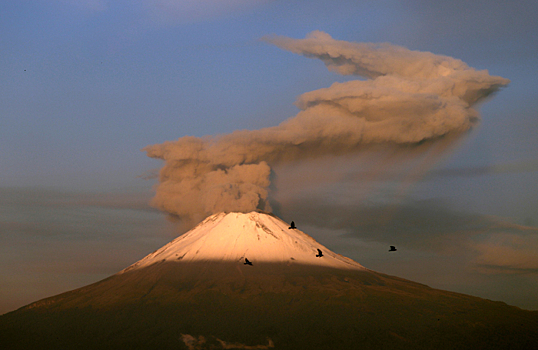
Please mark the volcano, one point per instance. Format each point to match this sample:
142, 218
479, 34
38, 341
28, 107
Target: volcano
197, 293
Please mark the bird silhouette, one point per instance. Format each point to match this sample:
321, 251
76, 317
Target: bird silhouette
320, 254
392, 248
292, 226
247, 262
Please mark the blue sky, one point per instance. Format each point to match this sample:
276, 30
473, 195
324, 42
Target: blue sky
88, 84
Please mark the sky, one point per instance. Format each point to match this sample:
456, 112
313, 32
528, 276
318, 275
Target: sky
89, 84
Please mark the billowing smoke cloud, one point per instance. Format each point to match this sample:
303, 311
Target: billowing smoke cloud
408, 98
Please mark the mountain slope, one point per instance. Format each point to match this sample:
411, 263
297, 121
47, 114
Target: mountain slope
256, 236
209, 299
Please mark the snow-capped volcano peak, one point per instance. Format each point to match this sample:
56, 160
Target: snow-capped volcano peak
235, 237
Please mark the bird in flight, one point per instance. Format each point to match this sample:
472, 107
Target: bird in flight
392, 248
320, 254
247, 262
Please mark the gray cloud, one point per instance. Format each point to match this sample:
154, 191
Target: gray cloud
514, 250
427, 225
409, 98
519, 167
49, 198
487, 244
53, 241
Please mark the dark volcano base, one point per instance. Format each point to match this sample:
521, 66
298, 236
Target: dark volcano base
292, 307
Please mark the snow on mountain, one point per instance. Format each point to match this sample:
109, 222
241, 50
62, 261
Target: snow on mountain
234, 237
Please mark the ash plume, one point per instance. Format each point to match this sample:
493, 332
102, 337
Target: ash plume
408, 98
